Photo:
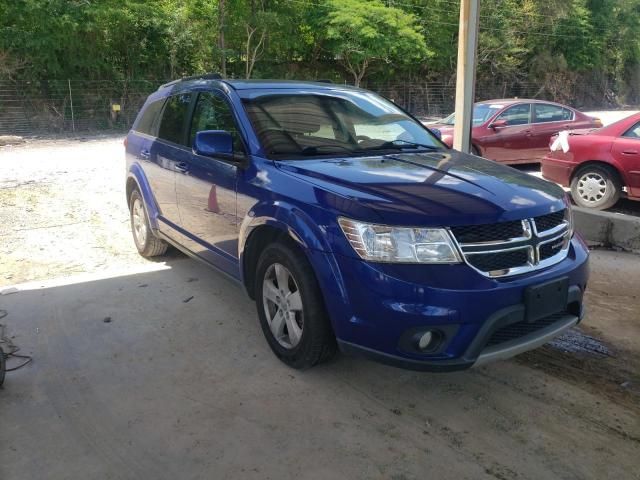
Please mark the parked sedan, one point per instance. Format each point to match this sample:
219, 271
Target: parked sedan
516, 130
598, 164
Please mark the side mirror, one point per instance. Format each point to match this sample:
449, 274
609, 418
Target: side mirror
499, 124
213, 143
437, 133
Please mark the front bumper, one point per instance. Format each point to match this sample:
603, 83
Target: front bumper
480, 319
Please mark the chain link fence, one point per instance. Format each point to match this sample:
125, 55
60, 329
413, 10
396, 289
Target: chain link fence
77, 106
68, 106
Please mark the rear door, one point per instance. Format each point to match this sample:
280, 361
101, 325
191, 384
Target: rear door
626, 150
168, 152
548, 119
510, 143
206, 188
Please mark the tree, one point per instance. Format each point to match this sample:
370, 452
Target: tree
365, 33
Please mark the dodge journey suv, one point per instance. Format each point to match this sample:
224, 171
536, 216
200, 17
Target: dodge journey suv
351, 225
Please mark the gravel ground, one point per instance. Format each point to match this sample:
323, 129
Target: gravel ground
567, 410
64, 209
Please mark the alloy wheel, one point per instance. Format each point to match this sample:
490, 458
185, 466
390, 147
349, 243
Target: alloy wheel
283, 305
139, 222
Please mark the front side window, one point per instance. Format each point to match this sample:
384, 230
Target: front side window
546, 112
297, 125
633, 132
213, 113
516, 115
173, 118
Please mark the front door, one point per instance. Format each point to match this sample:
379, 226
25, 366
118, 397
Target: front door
626, 150
206, 189
510, 143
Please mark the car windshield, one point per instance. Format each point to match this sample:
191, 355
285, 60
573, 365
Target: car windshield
316, 124
481, 113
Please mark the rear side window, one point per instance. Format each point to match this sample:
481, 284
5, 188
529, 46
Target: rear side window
633, 132
551, 113
517, 115
213, 113
146, 122
173, 117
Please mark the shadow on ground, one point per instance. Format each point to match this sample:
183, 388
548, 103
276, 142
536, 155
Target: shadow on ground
166, 374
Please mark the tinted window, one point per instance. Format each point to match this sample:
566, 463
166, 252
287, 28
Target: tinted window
146, 121
633, 132
173, 115
213, 113
517, 115
551, 113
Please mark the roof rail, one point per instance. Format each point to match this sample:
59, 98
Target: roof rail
204, 76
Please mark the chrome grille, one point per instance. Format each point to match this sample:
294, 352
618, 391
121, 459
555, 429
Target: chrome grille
488, 233
510, 248
547, 222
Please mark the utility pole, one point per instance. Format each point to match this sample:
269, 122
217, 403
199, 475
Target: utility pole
221, 45
466, 74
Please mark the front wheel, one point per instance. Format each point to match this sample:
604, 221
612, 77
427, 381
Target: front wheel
291, 308
596, 187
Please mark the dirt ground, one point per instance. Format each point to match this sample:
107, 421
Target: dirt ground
159, 369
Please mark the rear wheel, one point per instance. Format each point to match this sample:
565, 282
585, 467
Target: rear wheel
147, 243
596, 186
291, 308
475, 151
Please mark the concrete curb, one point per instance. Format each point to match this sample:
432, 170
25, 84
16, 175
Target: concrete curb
612, 230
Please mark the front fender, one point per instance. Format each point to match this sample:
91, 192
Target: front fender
136, 174
310, 236
287, 217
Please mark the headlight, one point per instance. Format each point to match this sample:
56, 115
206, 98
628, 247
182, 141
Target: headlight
383, 243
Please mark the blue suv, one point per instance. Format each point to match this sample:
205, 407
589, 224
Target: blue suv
351, 225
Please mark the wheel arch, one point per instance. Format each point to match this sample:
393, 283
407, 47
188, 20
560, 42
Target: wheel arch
602, 164
137, 179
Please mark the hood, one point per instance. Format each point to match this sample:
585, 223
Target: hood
435, 188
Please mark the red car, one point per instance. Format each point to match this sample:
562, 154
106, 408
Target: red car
598, 164
516, 130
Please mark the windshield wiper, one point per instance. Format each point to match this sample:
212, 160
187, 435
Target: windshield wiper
405, 144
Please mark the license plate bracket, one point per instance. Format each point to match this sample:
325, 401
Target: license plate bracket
546, 299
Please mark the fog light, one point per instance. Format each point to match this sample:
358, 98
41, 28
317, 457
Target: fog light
425, 340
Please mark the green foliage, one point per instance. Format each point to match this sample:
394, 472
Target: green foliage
362, 33
550, 42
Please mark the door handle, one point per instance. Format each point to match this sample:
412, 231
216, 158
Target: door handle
182, 167
528, 133
145, 154
630, 152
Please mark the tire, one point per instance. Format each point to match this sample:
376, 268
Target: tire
292, 313
596, 186
146, 242
475, 151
